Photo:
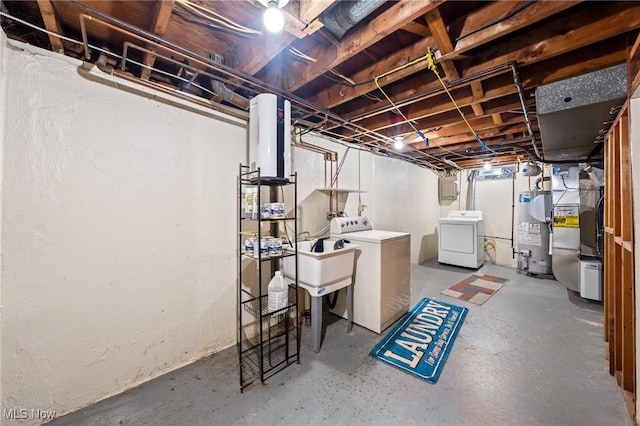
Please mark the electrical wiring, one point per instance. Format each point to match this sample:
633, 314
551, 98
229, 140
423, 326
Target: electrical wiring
13, 18
335, 80
105, 51
565, 185
216, 17
342, 76
196, 20
301, 55
432, 66
399, 111
502, 19
371, 97
338, 138
416, 157
429, 57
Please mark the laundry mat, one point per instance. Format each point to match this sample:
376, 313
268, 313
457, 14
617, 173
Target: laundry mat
476, 288
420, 343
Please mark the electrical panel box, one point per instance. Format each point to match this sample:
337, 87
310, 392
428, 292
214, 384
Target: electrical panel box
448, 188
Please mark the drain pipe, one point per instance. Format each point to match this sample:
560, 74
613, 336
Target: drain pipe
518, 83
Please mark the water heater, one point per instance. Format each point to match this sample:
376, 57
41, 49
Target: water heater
270, 136
534, 216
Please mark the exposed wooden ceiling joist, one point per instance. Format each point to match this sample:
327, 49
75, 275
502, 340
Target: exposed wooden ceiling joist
161, 14
52, 24
333, 89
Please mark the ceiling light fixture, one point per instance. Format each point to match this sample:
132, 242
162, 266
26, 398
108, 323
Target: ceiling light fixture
487, 164
399, 142
273, 17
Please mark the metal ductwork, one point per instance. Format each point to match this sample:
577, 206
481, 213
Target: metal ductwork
347, 14
575, 114
223, 92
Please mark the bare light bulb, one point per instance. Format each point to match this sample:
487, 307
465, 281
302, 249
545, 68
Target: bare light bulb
487, 165
399, 143
273, 17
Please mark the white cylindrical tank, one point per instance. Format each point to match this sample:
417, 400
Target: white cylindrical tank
270, 135
534, 215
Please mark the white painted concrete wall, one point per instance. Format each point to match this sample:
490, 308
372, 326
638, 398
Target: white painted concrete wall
118, 229
398, 196
118, 235
494, 199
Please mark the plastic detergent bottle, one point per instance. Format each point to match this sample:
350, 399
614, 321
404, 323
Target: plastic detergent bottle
278, 292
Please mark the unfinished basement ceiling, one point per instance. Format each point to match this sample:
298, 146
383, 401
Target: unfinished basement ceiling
333, 55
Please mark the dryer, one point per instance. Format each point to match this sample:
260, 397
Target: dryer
382, 278
461, 239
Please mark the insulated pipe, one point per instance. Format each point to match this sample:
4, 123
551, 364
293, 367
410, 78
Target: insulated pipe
518, 83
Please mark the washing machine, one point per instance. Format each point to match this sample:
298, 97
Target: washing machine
461, 239
382, 276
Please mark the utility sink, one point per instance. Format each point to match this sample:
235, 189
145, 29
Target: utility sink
323, 273
320, 272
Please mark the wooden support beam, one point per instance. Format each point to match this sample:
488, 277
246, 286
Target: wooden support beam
497, 118
443, 40
311, 9
438, 104
52, 24
339, 93
354, 42
449, 141
477, 31
160, 19
633, 66
478, 95
627, 288
564, 35
416, 28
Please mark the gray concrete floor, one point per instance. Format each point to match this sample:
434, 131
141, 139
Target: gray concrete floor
532, 354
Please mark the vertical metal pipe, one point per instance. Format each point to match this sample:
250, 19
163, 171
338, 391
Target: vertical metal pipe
513, 207
518, 83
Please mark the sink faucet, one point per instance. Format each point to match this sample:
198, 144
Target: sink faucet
340, 244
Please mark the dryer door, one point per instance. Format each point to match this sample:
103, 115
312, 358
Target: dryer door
458, 237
